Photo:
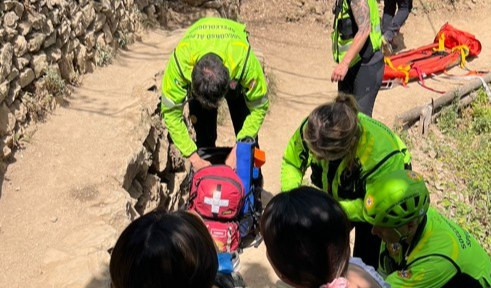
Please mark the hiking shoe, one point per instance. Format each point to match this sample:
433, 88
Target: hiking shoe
387, 48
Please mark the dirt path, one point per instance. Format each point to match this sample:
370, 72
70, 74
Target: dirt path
57, 206
61, 200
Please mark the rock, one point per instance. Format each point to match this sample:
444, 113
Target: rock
37, 20
7, 120
133, 167
99, 22
19, 110
141, 4
81, 58
48, 27
151, 195
160, 155
10, 33
54, 15
99, 39
14, 73
89, 39
24, 28
4, 90
66, 67
6, 55
10, 20
89, 15
21, 62
54, 54
26, 77
20, 45
39, 64
50, 40
35, 41
136, 189
64, 31
108, 36
16, 6
13, 93
151, 11
77, 25
53, 219
103, 6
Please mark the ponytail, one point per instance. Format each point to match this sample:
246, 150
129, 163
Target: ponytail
333, 130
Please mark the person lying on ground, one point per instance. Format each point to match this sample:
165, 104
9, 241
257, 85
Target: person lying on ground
421, 247
346, 151
356, 43
306, 234
162, 249
212, 62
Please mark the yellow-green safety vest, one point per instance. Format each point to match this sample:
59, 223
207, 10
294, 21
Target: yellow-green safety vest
339, 45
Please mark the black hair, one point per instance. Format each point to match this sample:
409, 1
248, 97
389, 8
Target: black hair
163, 249
210, 80
306, 233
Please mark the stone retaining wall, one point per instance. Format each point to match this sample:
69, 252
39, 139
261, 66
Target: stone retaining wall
45, 45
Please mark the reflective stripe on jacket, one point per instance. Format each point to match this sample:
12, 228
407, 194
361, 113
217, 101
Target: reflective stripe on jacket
227, 39
378, 151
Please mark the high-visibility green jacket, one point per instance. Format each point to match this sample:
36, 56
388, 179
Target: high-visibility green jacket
227, 39
442, 254
378, 151
345, 29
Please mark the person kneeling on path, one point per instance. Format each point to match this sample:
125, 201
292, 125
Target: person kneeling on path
346, 151
421, 247
306, 234
356, 43
162, 249
213, 61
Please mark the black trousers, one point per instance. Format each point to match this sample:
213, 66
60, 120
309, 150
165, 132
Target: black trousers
392, 21
205, 120
367, 246
363, 81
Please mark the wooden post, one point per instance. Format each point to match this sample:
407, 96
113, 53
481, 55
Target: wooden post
411, 116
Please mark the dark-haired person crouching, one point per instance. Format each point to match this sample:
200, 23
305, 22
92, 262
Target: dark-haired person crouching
212, 62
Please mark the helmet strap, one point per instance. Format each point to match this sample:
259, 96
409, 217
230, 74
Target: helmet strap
401, 237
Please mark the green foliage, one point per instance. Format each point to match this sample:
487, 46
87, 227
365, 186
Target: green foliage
122, 39
103, 55
53, 83
465, 152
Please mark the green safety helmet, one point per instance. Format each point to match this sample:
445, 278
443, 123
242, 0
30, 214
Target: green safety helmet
395, 199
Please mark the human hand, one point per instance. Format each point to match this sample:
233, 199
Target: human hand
231, 160
339, 72
197, 162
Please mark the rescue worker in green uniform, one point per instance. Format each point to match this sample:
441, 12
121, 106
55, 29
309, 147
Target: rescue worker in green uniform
421, 247
356, 43
346, 151
213, 61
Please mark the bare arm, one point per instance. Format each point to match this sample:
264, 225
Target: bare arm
361, 13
